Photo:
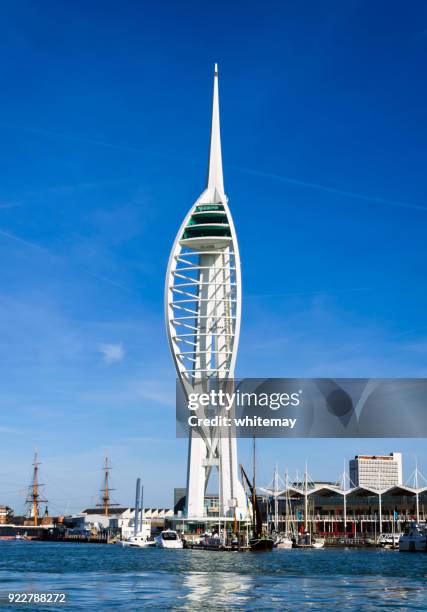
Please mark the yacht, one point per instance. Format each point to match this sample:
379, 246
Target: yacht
140, 540
169, 539
259, 540
389, 540
138, 534
414, 539
317, 542
210, 541
306, 540
283, 541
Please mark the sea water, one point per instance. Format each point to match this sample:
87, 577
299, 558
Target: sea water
106, 577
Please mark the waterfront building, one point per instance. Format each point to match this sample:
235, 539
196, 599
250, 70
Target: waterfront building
118, 518
203, 309
376, 471
358, 511
327, 509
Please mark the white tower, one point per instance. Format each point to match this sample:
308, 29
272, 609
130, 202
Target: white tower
203, 310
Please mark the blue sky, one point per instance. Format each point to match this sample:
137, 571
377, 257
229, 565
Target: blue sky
104, 132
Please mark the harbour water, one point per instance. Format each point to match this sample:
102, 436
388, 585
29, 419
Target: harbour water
104, 577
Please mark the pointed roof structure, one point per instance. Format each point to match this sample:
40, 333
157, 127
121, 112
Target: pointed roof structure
215, 180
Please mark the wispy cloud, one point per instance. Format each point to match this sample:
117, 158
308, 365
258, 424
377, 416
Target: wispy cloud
329, 189
43, 250
262, 174
81, 139
112, 352
111, 282
27, 243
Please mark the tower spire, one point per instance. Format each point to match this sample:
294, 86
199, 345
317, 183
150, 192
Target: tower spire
215, 177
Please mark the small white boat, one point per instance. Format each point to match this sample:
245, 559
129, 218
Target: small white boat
389, 540
169, 539
139, 540
414, 539
306, 540
22, 538
283, 541
318, 542
210, 540
142, 538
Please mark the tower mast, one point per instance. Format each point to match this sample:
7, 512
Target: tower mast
215, 178
203, 312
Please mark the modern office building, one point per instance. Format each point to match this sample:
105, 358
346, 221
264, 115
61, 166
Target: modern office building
376, 471
202, 308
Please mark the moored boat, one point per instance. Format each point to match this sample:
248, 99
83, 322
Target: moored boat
306, 540
22, 538
261, 543
317, 542
283, 541
414, 539
210, 541
141, 536
389, 540
140, 540
169, 539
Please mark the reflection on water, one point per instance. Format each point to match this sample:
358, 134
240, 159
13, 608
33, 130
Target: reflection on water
106, 577
217, 589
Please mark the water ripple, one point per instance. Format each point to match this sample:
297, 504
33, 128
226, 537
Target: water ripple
105, 577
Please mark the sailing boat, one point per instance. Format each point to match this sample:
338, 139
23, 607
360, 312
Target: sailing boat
307, 539
285, 539
260, 540
141, 536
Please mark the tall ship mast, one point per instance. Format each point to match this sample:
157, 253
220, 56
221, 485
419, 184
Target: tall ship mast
105, 491
34, 499
259, 540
